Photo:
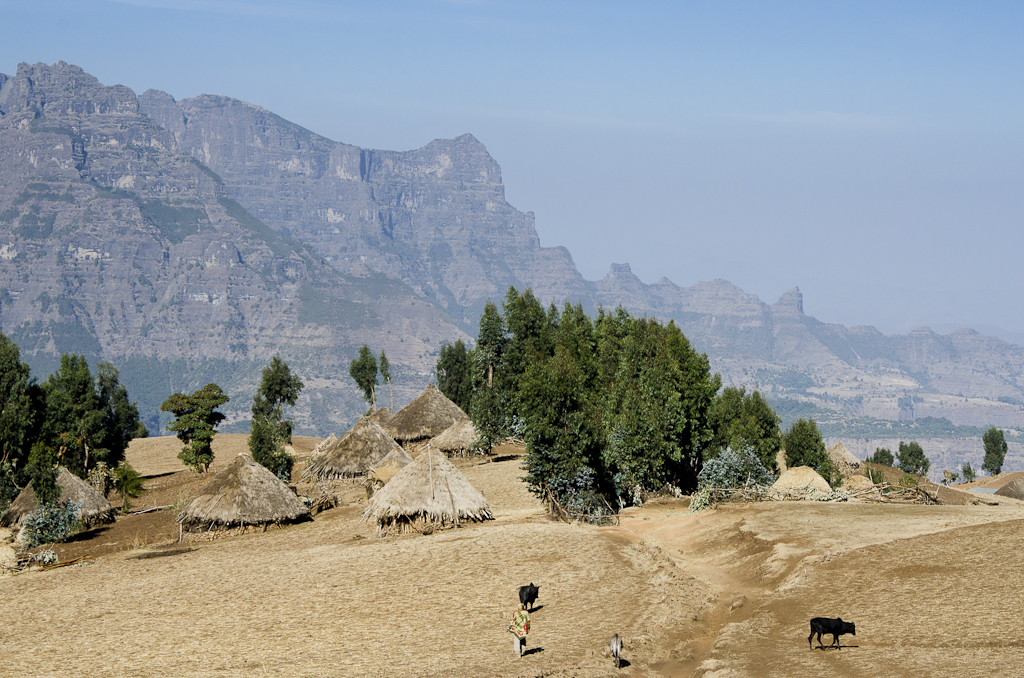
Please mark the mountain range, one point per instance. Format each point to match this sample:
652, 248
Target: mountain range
189, 241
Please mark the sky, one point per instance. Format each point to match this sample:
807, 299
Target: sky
870, 153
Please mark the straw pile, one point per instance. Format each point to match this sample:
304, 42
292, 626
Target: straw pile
457, 438
96, 510
361, 448
425, 417
426, 495
801, 479
244, 495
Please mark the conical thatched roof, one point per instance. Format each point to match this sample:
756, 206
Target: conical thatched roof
458, 437
427, 416
382, 415
96, 510
844, 461
429, 493
354, 453
245, 493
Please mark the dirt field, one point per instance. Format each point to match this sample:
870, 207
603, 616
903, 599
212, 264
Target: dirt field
724, 593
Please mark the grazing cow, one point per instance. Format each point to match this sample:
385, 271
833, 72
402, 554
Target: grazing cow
528, 595
824, 625
615, 645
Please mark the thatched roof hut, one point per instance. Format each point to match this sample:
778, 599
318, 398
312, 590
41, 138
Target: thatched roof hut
428, 494
425, 417
457, 438
353, 454
844, 460
95, 509
245, 494
382, 415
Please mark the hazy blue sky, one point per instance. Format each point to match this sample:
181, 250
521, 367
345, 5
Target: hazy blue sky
871, 153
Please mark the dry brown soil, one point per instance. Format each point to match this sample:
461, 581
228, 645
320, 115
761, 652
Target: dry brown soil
728, 592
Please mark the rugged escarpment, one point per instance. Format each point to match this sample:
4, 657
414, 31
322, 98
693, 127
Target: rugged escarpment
188, 241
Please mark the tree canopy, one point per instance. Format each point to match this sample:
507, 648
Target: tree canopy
912, 460
745, 421
882, 456
196, 420
805, 447
995, 451
363, 371
270, 431
454, 372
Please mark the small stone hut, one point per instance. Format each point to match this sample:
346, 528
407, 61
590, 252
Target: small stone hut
422, 419
360, 449
95, 509
243, 496
426, 495
457, 438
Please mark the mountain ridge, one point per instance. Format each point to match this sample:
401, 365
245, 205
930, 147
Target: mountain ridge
243, 222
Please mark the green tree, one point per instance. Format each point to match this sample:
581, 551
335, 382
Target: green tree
995, 451
270, 431
454, 370
128, 484
968, 472
196, 420
385, 375
912, 460
121, 421
41, 472
74, 418
805, 447
363, 371
741, 421
487, 407
20, 408
882, 456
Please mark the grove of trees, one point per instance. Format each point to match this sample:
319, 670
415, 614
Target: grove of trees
609, 408
73, 419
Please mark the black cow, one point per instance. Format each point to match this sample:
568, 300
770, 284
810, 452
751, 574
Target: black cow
825, 625
528, 595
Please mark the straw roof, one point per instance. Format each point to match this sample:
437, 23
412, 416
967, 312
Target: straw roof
95, 509
244, 493
844, 461
431, 493
458, 437
1013, 489
354, 453
382, 415
425, 417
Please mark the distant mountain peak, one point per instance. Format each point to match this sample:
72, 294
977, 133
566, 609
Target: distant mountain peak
792, 299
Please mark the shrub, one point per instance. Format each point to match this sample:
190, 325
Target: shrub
51, 523
128, 484
735, 468
874, 475
968, 472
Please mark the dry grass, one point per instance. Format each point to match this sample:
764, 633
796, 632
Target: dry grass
725, 593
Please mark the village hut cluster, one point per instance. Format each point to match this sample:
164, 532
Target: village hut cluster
400, 458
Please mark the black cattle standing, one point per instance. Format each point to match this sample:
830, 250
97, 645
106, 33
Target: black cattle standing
825, 625
528, 595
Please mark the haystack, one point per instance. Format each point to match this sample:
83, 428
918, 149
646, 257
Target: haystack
1013, 489
857, 484
457, 438
427, 416
426, 495
95, 509
801, 480
844, 461
353, 454
244, 495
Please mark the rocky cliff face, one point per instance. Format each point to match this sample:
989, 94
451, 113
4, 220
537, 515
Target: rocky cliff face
190, 240
115, 244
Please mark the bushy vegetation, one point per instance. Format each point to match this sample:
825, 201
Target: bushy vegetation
72, 419
882, 456
128, 484
741, 467
805, 447
995, 451
51, 523
968, 472
911, 459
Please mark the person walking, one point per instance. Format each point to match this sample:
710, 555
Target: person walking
519, 627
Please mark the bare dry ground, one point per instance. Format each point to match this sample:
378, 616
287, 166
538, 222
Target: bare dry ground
724, 593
